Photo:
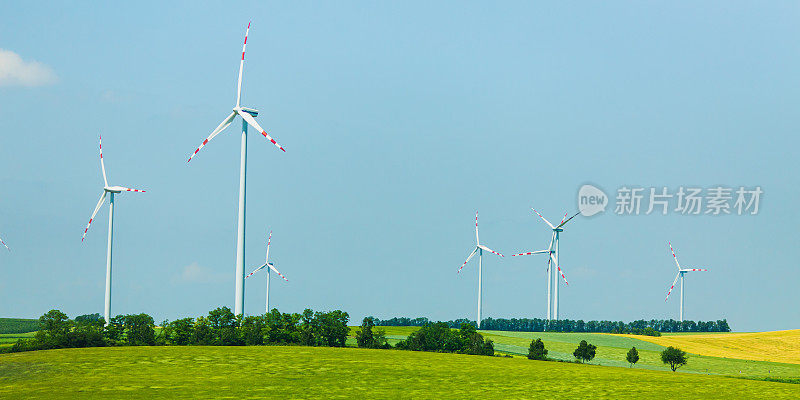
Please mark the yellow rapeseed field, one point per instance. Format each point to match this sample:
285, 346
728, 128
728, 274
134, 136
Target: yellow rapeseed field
775, 346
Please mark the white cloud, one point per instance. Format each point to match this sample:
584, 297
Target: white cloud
195, 273
14, 71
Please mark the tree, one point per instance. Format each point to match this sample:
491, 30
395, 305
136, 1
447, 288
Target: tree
536, 351
675, 357
585, 351
633, 356
54, 333
223, 326
140, 330
181, 331
369, 336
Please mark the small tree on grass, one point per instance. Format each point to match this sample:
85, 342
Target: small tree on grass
536, 351
674, 356
585, 351
633, 356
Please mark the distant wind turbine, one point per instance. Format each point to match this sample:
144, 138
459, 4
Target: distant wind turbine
479, 248
552, 250
681, 272
271, 267
110, 191
247, 115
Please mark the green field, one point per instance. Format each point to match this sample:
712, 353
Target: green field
7, 339
611, 350
303, 372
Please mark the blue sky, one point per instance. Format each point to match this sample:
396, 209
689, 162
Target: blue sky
400, 120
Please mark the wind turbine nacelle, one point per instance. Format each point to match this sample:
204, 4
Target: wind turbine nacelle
251, 111
114, 189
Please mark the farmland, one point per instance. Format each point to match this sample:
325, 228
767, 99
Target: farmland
782, 346
294, 371
611, 350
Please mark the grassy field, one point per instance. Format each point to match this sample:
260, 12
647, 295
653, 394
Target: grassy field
7, 339
611, 350
304, 372
782, 346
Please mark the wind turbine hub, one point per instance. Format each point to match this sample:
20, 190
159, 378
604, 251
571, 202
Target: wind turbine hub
112, 189
558, 230
251, 111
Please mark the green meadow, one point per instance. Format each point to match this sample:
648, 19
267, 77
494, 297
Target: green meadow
320, 372
611, 351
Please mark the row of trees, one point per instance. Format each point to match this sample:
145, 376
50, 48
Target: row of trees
585, 352
652, 327
220, 328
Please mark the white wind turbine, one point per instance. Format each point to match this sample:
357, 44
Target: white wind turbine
110, 191
271, 267
681, 272
479, 248
552, 250
247, 115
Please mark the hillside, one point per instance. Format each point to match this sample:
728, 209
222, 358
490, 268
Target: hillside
294, 371
18, 325
779, 346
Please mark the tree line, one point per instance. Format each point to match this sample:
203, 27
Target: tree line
652, 327
219, 328
585, 352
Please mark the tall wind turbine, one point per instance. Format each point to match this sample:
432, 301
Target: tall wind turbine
552, 250
271, 267
110, 191
247, 115
479, 248
681, 273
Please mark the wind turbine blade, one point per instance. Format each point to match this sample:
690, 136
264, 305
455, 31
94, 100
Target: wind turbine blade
252, 122
560, 272
241, 68
490, 250
544, 219
531, 253
468, 258
673, 256
570, 219
673, 286
477, 239
4, 244
694, 269
125, 189
102, 164
564, 217
221, 127
269, 239
96, 208
254, 271
277, 272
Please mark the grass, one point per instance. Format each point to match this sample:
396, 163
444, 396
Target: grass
781, 346
18, 325
611, 351
8, 339
304, 372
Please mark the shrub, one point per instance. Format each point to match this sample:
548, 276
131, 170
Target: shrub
536, 351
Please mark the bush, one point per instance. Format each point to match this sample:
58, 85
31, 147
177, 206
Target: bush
536, 351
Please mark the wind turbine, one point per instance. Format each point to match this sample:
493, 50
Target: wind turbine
681, 272
479, 248
552, 250
110, 191
271, 267
247, 115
